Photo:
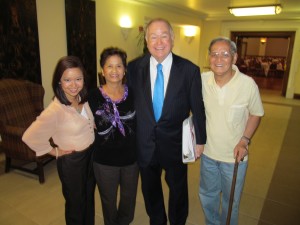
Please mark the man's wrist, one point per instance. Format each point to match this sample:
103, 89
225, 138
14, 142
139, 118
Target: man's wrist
246, 139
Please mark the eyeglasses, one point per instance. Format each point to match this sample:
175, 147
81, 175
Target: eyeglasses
223, 55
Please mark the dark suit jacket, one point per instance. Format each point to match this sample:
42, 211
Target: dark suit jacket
183, 94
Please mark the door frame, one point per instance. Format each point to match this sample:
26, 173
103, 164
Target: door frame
236, 35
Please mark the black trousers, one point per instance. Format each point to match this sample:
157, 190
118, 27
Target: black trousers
176, 178
78, 187
110, 179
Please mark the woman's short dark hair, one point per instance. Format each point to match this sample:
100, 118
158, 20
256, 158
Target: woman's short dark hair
108, 52
64, 63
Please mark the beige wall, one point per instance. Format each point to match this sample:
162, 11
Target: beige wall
210, 30
52, 39
253, 46
273, 47
52, 32
52, 35
277, 47
109, 33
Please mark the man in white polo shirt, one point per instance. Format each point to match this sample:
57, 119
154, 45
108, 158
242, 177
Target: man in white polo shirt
233, 110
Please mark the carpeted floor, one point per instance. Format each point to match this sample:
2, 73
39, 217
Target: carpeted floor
270, 196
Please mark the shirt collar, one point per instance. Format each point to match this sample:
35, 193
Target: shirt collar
166, 62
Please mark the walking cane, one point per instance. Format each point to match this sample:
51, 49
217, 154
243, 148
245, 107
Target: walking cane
236, 165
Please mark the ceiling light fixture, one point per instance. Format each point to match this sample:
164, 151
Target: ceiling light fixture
256, 10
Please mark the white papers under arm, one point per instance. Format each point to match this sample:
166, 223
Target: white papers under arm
188, 140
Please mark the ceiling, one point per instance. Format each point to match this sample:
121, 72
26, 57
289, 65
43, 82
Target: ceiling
218, 9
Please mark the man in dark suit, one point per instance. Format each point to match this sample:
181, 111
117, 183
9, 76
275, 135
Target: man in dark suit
159, 135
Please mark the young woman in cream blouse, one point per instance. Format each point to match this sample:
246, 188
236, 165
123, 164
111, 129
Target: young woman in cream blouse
69, 121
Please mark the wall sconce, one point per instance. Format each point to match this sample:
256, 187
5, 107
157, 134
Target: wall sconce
256, 10
189, 33
126, 25
263, 40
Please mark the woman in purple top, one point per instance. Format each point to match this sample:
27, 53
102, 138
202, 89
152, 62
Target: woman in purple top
114, 159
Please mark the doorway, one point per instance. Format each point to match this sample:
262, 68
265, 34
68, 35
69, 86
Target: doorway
278, 78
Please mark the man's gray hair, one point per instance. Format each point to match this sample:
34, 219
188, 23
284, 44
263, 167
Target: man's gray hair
159, 20
232, 45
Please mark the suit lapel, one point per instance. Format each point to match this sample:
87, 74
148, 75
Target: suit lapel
146, 83
172, 85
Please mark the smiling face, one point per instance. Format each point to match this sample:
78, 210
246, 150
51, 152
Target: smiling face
113, 70
72, 83
159, 40
221, 59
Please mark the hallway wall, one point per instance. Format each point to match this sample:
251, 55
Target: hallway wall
52, 34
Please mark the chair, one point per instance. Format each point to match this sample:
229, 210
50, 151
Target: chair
20, 103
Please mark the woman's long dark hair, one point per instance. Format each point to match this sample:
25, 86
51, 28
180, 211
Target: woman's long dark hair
63, 64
